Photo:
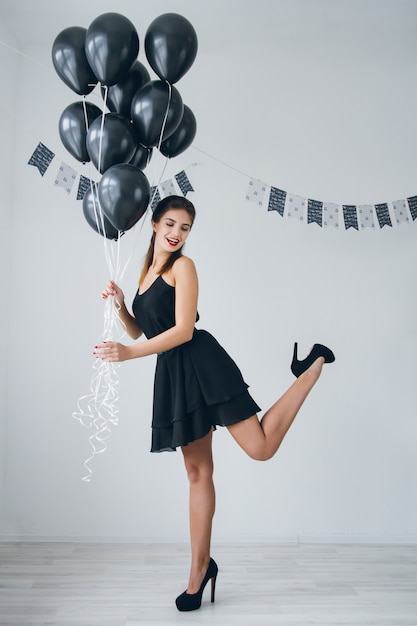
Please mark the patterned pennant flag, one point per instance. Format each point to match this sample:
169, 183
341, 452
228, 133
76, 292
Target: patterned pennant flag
400, 211
183, 183
83, 187
315, 212
412, 205
350, 216
383, 216
366, 215
296, 207
330, 215
276, 200
41, 158
256, 191
65, 177
154, 197
167, 188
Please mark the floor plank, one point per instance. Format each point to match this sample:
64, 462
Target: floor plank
85, 584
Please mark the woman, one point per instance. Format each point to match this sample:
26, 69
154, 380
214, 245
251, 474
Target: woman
197, 385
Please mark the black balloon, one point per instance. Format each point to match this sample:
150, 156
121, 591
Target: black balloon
70, 61
150, 105
124, 195
141, 157
111, 47
95, 216
111, 142
171, 46
73, 129
183, 137
120, 96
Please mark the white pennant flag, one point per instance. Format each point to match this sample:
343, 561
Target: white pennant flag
366, 216
256, 191
331, 215
296, 207
167, 188
65, 177
400, 211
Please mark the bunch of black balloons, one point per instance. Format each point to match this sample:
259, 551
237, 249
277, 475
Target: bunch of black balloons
143, 115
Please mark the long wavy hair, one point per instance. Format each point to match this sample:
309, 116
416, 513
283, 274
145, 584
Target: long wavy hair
164, 205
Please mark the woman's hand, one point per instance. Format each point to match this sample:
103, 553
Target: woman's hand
113, 290
111, 351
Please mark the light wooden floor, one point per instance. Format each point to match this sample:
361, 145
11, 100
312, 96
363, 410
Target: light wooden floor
84, 584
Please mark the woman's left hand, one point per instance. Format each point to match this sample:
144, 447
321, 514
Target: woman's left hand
111, 351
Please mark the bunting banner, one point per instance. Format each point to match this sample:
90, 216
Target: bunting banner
41, 158
400, 211
315, 212
256, 191
350, 217
155, 197
412, 205
65, 177
276, 200
83, 186
183, 183
289, 206
328, 214
383, 215
167, 188
366, 216
296, 207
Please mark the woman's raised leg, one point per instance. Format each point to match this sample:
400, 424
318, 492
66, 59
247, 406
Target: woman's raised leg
198, 460
261, 439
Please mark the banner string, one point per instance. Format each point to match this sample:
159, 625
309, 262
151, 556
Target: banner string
220, 161
25, 56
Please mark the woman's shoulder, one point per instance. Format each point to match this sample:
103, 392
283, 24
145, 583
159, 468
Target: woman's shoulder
184, 267
184, 263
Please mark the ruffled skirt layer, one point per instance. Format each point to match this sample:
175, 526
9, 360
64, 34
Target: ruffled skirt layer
197, 387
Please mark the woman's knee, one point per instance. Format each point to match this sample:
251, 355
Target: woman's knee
259, 455
199, 471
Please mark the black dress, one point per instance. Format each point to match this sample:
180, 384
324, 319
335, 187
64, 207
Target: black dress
197, 385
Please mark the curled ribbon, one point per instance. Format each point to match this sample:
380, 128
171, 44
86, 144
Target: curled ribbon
98, 410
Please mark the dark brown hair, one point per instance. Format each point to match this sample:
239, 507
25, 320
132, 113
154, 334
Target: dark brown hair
164, 205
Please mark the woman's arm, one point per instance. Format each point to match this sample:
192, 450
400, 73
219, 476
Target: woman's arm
185, 280
128, 321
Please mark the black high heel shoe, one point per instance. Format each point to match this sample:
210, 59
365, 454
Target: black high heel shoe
317, 351
192, 601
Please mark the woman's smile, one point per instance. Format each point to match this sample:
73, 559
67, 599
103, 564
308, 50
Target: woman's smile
172, 241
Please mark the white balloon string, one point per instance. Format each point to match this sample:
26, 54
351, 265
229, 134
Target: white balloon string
154, 186
98, 410
98, 212
102, 129
166, 115
139, 229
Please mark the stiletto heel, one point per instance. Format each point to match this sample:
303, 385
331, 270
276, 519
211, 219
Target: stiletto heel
213, 587
192, 601
317, 351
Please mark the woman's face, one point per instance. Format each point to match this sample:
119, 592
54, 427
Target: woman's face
172, 230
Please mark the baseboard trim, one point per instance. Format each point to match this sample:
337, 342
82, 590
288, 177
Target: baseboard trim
217, 539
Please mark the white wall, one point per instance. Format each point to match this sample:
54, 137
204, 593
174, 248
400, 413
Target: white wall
318, 98
8, 70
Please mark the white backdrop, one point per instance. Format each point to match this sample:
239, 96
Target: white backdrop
317, 98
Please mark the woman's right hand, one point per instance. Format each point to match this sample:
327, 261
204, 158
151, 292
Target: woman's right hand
113, 290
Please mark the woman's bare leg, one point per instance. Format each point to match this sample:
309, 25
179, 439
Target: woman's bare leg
199, 465
261, 439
